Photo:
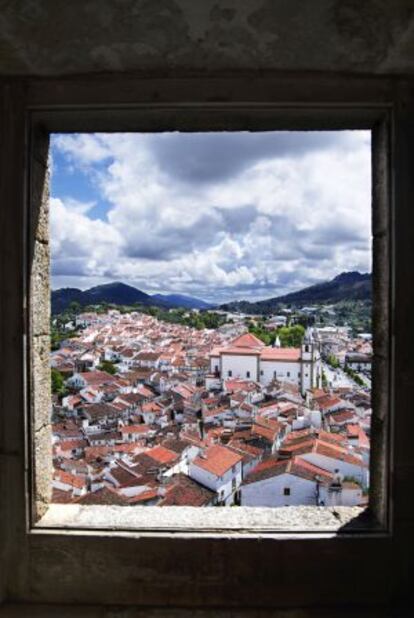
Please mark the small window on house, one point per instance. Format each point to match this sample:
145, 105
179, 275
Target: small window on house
229, 373
286, 491
247, 374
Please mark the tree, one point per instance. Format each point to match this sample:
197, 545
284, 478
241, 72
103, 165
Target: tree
75, 307
58, 386
332, 361
260, 332
108, 367
291, 336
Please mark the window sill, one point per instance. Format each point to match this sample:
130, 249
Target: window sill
211, 521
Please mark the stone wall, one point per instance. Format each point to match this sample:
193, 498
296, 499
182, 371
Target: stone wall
192, 65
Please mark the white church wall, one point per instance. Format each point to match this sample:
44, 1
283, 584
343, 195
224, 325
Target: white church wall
239, 366
287, 371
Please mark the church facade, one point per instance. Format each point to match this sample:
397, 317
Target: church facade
247, 357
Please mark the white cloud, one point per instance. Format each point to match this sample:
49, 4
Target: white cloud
78, 243
276, 222
83, 148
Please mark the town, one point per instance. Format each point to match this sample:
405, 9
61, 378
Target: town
147, 412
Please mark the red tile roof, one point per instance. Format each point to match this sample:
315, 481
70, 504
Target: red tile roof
131, 429
298, 436
329, 450
186, 492
105, 496
247, 340
160, 454
68, 445
97, 377
236, 385
144, 496
275, 467
151, 406
328, 436
94, 452
341, 416
69, 479
267, 428
280, 354
217, 460
125, 476
61, 496
329, 402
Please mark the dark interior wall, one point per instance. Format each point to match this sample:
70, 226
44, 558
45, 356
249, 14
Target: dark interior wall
195, 572
40, 37
230, 52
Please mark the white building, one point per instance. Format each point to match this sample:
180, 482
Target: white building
247, 357
294, 482
358, 362
220, 469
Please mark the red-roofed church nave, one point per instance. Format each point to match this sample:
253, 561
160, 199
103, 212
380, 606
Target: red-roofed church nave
247, 357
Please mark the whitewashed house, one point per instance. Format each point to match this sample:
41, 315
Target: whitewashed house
219, 469
294, 482
135, 433
335, 458
70, 483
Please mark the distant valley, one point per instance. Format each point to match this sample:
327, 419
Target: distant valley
344, 287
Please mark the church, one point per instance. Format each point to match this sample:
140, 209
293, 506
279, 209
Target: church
249, 358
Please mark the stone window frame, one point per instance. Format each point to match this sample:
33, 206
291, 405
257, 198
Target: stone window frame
41, 125
28, 111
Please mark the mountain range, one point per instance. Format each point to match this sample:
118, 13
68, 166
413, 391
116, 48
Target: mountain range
178, 300
346, 286
118, 293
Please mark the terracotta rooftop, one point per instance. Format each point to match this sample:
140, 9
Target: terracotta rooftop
69, 479
287, 354
144, 496
97, 377
296, 466
247, 340
105, 496
266, 353
163, 455
186, 492
60, 496
217, 460
130, 429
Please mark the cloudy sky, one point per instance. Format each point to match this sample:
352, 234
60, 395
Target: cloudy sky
220, 216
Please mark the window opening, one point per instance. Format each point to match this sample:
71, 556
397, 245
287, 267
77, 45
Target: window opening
149, 291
